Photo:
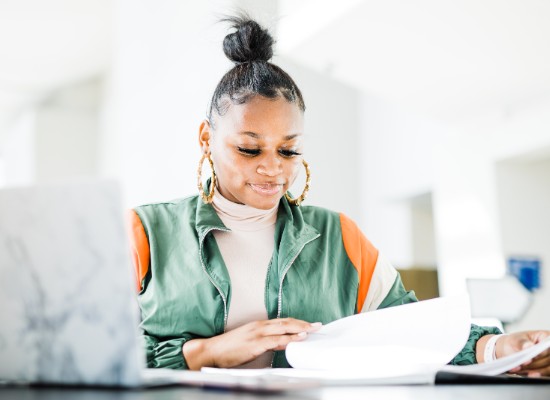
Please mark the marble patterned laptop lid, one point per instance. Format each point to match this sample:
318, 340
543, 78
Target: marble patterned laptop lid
67, 305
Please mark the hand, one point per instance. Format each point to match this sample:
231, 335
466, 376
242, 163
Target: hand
245, 343
514, 342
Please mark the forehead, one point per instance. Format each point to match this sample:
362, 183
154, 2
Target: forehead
268, 118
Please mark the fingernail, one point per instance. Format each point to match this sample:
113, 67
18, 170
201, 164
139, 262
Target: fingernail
534, 374
316, 324
302, 334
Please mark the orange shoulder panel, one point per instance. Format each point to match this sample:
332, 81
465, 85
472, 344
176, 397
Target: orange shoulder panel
139, 246
363, 256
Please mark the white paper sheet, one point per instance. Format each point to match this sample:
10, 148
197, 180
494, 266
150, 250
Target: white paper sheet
252, 379
405, 340
321, 377
294, 378
402, 345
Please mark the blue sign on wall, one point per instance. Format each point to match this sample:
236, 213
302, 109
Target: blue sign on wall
527, 270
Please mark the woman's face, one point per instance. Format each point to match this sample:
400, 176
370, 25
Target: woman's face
256, 150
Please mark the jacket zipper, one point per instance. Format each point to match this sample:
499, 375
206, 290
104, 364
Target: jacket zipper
211, 279
280, 296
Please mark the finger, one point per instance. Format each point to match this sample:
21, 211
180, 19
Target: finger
525, 343
276, 343
521, 369
285, 327
538, 363
292, 338
539, 336
531, 338
539, 372
310, 326
544, 354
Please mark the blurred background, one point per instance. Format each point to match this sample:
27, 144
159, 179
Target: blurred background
428, 121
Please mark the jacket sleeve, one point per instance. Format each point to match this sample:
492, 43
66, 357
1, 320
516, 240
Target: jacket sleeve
468, 353
398, 295
165, 353
139, 248
160, 352
363, 256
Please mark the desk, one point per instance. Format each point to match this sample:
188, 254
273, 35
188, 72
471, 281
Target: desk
484, 392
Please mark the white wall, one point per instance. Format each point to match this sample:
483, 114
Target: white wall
424, 253
66, 127
407, 154
466, 213
398, 149
468, 221
18, 151
55, 139
524, 199
332, 133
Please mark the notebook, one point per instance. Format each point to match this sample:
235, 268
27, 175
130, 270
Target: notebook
68, 305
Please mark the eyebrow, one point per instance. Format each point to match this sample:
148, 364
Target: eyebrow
258, 136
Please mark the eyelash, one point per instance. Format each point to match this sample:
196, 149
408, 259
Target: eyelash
256, 152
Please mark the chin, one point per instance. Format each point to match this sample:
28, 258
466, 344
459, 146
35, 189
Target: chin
264, 203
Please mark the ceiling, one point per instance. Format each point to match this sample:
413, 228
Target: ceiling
445, 58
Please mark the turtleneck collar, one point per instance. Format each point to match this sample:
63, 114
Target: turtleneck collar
242, 217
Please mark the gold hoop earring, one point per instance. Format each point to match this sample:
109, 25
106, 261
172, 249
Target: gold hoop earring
298, 200
207, 199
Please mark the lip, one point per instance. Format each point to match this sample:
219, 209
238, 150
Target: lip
266, 189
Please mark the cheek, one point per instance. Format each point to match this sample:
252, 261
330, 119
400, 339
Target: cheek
293, 170
224, 158
232, 165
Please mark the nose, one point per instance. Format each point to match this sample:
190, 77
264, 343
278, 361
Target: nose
270, 166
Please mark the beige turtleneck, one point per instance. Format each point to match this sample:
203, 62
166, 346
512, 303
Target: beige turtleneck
247, 252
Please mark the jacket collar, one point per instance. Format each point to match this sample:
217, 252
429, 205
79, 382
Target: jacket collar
292, 231
206, 218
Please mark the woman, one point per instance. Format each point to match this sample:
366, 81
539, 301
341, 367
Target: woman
229, 277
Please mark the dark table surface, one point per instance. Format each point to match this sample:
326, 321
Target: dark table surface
439, 392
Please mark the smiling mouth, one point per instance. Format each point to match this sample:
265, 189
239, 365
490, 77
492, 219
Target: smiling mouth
267, 189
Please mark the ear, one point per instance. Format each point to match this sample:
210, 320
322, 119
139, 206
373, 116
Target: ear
205, 134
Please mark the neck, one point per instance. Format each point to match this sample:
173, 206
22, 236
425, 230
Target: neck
241, 216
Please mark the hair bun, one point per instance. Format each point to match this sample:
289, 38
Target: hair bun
250, 42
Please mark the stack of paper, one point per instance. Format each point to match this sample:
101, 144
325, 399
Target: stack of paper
413, 339
408, 344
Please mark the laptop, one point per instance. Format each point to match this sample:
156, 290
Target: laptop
68, 306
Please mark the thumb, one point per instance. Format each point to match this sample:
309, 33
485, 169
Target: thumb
530, 339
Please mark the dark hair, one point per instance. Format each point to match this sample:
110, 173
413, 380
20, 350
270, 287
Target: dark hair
250, 48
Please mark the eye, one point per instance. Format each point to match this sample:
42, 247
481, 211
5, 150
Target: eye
248, 152
289, 153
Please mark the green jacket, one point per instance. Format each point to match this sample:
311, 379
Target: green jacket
321, 270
